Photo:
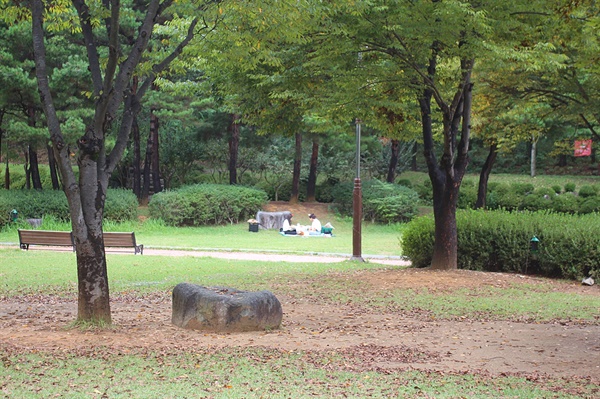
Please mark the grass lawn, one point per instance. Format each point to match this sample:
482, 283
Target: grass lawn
376, 239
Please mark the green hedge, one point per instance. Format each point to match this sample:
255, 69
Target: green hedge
120, 205
203, 204
499, 241
382, 202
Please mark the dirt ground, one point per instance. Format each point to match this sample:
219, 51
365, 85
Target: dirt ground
386, 340
382, 341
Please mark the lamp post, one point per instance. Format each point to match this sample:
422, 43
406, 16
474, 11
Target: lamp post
357, 204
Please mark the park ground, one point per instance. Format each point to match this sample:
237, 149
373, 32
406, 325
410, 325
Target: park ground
368, 337
370, 340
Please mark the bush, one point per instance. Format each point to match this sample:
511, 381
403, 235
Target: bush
557, 189
382, 202
569, 187
500, 241
566, 203
425, 191
587, 191
467, 195
120, 205
589, 205
203, 204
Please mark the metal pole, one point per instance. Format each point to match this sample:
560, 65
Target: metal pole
357, 204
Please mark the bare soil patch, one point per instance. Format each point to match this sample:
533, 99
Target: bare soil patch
368, 339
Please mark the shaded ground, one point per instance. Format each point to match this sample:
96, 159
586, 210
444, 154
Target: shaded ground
368, 340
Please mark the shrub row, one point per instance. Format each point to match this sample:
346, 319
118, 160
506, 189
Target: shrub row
203, 204
522, 196
382, 202
499, 241
121, 205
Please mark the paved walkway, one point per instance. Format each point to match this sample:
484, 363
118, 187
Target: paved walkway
243, 255
276, 257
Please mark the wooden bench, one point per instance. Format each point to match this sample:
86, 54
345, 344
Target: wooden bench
65, 238
45, 237
117, 239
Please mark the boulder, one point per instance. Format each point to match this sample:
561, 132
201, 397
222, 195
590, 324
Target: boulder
272, 220
221, 309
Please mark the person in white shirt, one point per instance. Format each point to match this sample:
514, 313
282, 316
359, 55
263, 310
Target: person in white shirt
287, 225
315, 227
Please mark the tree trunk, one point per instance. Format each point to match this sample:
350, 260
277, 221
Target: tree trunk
413, 164
34, 169
7, 176
52, 166
154, 125
446, 176
234, 143
146, 180
562, 160
27, 170
93, 299
297, 166
137, 175
533, 156
311, 185
391, 176
484, 177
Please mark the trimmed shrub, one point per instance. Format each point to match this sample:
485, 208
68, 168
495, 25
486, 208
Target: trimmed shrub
569, 187
500, 241
467, 195
382, 202
121, 205
565, 203
587, 191
203, 204
557, 189
589, 205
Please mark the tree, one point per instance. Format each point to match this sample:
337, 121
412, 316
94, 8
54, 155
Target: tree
381, 53
112, 68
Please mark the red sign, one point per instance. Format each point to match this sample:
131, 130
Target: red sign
583, 148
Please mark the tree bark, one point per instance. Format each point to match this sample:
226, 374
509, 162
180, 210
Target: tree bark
145, 198
52, 166
413, 164
34, 169
27, 170
391, 175
446, 176
484, 177
234, 143
533, 157
311, 185
297, 167
154, 126
137, 175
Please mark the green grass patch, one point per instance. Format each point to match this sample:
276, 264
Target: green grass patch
376, 239
249, 373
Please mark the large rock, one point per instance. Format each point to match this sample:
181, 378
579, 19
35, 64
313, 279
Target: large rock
223, 309
272, 220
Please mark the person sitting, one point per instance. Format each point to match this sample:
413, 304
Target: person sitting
315, 227
287, 225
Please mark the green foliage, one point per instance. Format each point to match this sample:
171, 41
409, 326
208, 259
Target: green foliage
467, 195
557, 189
121, 205
382, 202
202, 204
588, 191
570, 187
500, 241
